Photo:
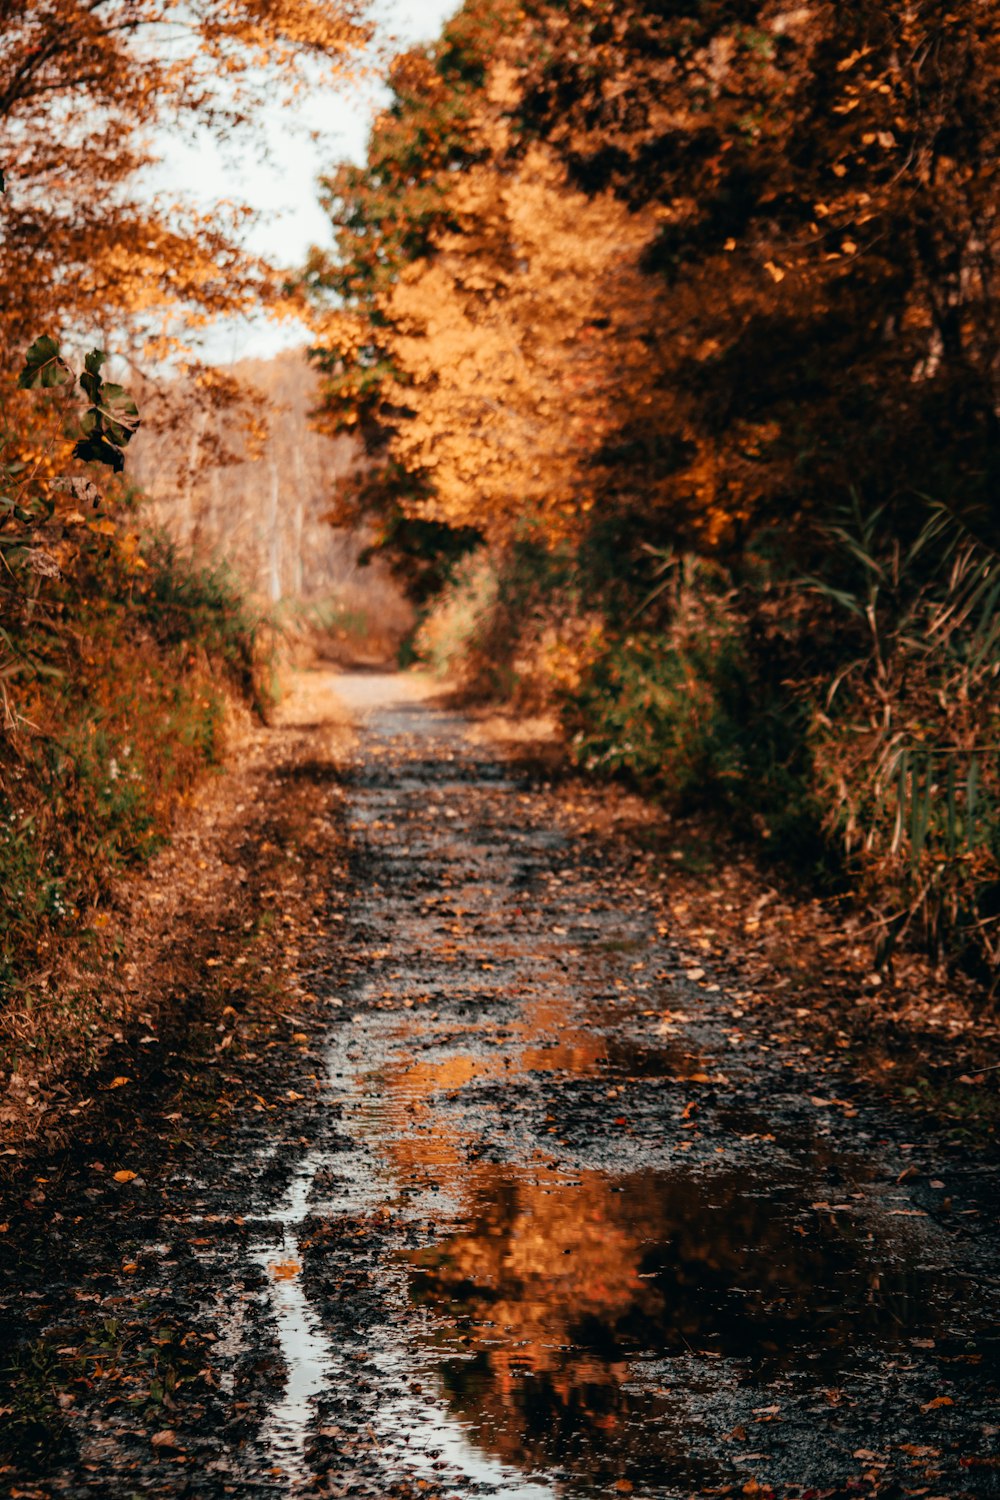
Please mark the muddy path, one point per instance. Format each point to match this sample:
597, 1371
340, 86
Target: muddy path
553, 1206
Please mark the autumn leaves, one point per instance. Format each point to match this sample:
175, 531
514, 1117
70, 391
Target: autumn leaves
681, 267
684, 312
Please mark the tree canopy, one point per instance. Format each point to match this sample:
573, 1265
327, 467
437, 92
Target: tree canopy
700, 268
85, 85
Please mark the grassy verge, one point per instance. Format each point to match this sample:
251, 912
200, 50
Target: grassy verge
120, 706
846, 723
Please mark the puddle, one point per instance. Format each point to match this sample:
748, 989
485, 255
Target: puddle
307, 1359
570, 1244
307, 1354
573, 1321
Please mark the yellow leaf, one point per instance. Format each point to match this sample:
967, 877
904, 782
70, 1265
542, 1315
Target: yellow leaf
125, 1175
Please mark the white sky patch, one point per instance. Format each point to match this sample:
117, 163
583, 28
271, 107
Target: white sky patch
300, 144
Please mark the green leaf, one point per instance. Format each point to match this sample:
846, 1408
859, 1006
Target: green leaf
901, 772
952, 815
121, 413
44, 366
119, 434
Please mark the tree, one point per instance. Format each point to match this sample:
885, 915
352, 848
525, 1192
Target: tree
801, 306
84, 85
826, 180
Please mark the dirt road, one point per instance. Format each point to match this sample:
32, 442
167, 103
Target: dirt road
557, 1206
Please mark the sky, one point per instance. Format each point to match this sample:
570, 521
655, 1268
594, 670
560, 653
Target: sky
283, 187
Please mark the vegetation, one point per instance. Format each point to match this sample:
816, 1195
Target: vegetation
682, 316
117, 652
83, 90
116, 661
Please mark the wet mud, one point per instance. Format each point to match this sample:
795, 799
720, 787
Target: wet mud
556, 1210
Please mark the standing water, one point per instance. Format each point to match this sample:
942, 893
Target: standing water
569, 1240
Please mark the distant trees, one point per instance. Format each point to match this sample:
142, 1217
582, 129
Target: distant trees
258, 494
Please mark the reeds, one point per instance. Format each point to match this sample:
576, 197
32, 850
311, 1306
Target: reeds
913, 726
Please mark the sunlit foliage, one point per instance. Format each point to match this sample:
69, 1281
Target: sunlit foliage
83, 89
649, 286
731, 259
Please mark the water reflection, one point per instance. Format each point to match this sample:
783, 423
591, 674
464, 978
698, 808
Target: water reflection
572, 1316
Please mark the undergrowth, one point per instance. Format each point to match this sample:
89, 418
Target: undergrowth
849, 722
119, 706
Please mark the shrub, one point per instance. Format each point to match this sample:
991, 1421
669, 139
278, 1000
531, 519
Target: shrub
123, 708
907, 741
510, 625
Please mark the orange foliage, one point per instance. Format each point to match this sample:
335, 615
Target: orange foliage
699, 269
82, 89
503, 350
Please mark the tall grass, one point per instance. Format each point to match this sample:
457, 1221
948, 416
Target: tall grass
908, 737
849, 722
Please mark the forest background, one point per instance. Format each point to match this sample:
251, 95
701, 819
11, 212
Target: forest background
671, 335
657, 360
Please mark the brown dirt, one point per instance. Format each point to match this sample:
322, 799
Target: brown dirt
191, 937
409, 1008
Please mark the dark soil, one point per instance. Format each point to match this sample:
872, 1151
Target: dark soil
481, 1149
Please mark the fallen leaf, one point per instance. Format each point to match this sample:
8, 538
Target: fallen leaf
284, 1270
125, 1176
165, 1439
119, 1083
938, 1401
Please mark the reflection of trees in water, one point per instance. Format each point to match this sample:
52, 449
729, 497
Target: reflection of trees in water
591, 1426
574, 1279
